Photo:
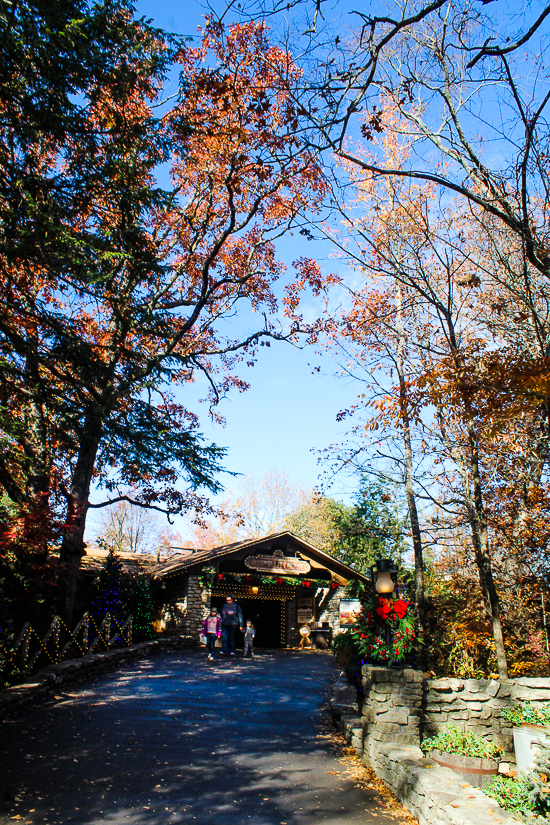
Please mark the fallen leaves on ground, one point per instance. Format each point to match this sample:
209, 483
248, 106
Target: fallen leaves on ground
365, 778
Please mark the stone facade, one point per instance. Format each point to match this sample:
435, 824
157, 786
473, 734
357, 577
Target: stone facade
327, 608
185, 611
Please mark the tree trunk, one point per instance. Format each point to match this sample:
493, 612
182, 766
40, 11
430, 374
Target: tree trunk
409, 492
483, 558
72, 548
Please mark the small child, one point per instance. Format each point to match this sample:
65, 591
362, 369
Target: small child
249, 634
212, 629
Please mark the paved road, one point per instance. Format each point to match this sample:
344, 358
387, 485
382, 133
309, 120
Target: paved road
175, 739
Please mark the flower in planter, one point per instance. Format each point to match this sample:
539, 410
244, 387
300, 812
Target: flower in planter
465, 743
526, 713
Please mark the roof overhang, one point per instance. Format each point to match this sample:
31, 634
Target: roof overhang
194, 562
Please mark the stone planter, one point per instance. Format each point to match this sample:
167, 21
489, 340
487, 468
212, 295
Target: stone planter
527, 741
474, 769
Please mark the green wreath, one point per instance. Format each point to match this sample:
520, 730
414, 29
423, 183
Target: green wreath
368, 633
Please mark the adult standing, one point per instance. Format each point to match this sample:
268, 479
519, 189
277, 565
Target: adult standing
232, 618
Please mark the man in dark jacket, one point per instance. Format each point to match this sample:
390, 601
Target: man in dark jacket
232, 618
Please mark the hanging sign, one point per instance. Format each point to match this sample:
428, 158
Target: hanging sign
277, 563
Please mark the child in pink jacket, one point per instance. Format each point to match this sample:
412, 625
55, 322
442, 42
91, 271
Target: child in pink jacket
212, 629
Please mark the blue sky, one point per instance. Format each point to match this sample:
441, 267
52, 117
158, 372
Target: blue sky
289, 412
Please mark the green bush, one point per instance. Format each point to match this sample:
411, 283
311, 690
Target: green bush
512, 794
466, 743
525, 796
528, 713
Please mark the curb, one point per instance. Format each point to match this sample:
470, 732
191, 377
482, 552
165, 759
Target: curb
71, 670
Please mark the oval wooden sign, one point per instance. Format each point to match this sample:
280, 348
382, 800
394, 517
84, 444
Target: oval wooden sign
277, 563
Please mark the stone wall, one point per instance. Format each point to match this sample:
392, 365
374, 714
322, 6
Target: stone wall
386, 734
476, 704
186, 610
391, 708
327, 608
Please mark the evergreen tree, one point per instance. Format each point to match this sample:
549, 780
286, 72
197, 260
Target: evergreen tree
111, 594
370, 529
141, 607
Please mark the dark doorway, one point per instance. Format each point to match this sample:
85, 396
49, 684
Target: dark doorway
267, 616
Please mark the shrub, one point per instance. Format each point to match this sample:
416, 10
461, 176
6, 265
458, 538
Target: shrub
528, 713
466, 743
527, 797
512, 794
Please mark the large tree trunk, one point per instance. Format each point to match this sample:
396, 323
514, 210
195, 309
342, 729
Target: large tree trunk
483, 558
409, 492
72, 548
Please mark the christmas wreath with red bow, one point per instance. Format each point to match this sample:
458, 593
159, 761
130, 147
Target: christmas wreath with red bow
369, 632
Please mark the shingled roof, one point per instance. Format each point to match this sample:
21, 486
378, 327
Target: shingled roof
192, 562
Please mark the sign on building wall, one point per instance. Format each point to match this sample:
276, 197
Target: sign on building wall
349, 611
277, 563
305, 615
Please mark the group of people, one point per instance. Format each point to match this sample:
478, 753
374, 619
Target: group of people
226, 626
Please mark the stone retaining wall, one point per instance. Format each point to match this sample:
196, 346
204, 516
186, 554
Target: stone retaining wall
400, 708
476, 704
391, 709
73, 669
386, 735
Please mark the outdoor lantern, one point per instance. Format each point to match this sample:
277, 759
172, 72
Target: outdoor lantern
384, 577
384, 581
255, 590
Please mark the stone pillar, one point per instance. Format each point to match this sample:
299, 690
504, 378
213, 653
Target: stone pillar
197, 607
186, 610
391, 709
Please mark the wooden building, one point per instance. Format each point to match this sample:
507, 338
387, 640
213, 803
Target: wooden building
281, 582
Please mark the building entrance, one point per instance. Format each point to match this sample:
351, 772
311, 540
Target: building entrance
267, 615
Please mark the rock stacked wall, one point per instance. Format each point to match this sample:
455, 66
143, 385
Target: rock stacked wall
328, 608
185, 611
391, 709
476, 704
400, 708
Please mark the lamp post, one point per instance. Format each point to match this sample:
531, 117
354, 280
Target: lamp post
384, 581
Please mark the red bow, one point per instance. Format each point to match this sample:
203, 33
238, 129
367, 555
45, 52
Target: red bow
384, 609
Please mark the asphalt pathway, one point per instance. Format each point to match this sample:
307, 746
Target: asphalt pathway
176, 739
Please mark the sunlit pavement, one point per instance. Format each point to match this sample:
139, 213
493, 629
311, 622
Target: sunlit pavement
177, 739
